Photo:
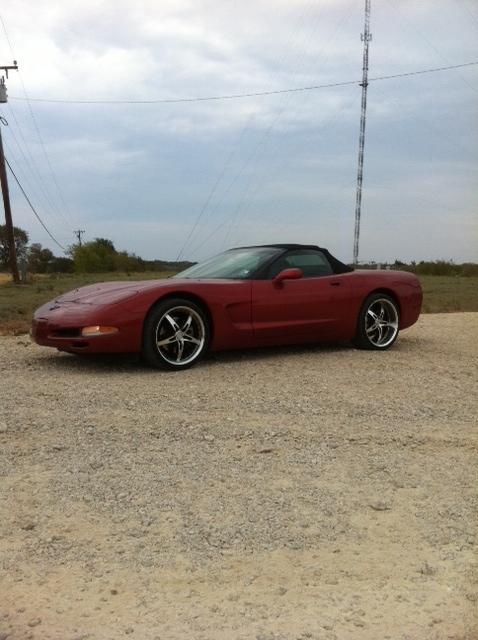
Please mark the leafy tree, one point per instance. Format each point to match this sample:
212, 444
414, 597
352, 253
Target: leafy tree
61, 265
101, 255
39, 258
125, 261
106, 244
21, 242
96, 256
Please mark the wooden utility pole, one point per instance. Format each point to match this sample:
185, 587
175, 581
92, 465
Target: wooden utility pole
12, 254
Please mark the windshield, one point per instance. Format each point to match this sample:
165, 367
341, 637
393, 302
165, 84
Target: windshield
237, 264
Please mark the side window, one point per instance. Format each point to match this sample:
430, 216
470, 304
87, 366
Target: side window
312, 263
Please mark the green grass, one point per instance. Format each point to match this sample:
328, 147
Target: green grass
442, 294
445, 294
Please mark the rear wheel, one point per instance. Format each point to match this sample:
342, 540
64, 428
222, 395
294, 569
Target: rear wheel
176, 334
378, 323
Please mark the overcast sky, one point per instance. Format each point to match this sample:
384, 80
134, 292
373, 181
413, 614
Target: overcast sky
253, 170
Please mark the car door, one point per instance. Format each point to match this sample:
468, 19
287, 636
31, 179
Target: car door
311, 308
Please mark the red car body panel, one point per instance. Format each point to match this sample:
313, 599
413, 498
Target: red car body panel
242, 313
304, 310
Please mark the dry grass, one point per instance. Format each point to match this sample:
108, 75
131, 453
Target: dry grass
17, 303
445, 294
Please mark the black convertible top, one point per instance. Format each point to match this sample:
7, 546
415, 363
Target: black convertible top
337, 266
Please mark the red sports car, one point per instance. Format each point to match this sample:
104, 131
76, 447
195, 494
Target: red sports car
242, 298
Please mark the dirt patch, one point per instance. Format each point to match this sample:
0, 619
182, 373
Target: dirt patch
320, 493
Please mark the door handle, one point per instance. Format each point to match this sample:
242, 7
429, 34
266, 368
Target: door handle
336, 283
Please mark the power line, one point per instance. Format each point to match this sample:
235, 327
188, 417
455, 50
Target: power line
232, 152
29, 162
33, 208
20, 170
213, 189
51, 205
327, 125
47, 158
255, 183
250, 158
256, 94
428, 41
250, 189
473, 17
40, 138
264, 180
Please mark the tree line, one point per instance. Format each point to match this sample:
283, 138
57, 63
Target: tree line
100, 255
97, 256
430, 267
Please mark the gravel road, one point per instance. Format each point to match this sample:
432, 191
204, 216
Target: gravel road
315, 493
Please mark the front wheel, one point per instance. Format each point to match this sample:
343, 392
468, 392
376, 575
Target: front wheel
175, 335
378, 323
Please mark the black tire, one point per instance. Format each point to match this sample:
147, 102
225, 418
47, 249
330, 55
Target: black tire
378, 323
176, 334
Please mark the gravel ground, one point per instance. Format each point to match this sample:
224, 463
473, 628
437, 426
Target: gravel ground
315, 493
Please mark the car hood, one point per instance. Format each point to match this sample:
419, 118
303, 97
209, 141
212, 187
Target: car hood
104, 292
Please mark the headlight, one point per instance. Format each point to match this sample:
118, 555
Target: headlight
97, 330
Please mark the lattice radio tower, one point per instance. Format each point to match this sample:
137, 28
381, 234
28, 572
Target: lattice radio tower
366, 37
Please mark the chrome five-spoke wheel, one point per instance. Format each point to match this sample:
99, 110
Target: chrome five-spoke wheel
378, 324
176, 334
180, 335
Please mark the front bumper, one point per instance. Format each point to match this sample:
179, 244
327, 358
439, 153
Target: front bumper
60, 327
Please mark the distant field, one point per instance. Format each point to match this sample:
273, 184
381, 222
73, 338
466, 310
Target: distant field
445, 294
442, 294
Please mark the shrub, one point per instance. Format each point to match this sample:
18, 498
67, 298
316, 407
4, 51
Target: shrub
61, 265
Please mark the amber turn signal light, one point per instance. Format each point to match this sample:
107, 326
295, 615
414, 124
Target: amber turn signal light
97, 330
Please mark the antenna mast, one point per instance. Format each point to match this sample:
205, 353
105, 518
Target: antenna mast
366, 36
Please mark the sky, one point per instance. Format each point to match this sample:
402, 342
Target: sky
191, 179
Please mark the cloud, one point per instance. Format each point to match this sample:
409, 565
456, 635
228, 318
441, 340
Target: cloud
141, 174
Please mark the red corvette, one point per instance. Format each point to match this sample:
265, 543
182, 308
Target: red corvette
245, 297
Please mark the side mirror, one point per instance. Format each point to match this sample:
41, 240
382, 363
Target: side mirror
287, 274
